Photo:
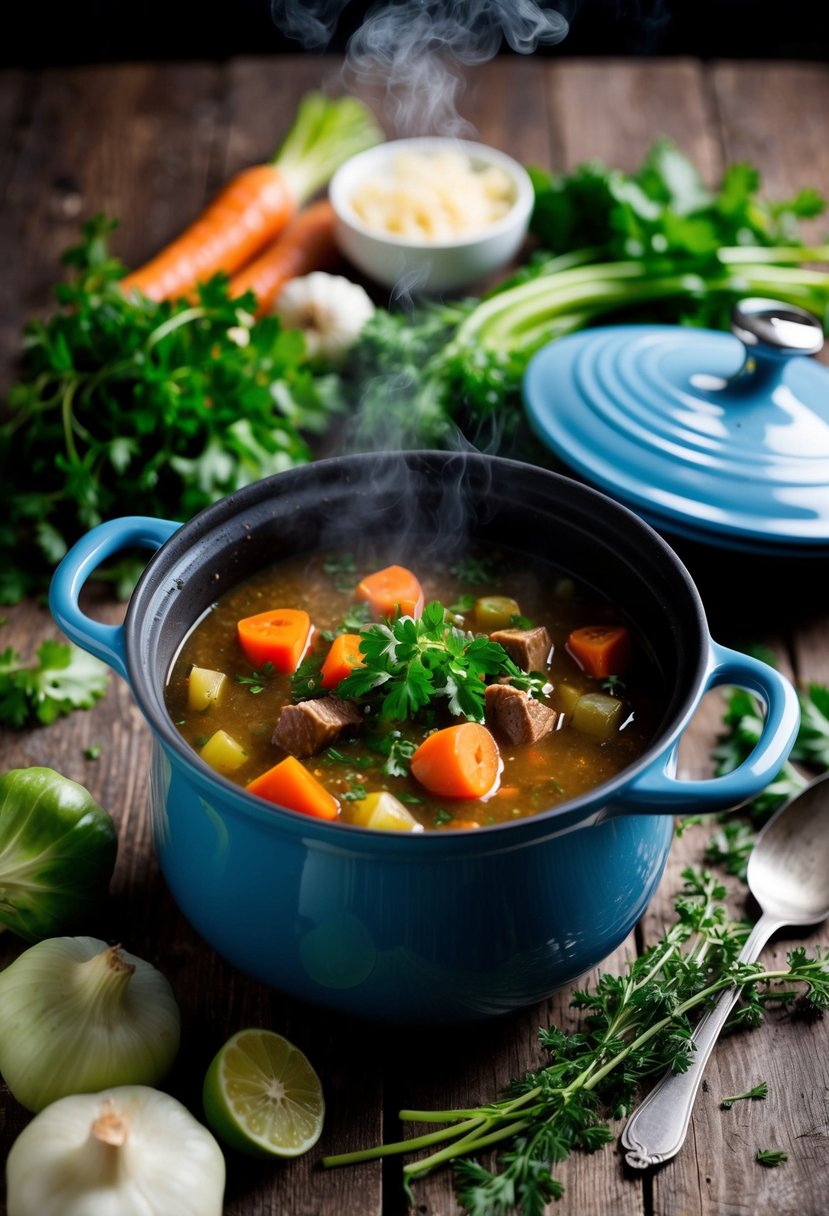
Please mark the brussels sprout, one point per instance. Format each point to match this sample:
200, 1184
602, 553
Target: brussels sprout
57, 852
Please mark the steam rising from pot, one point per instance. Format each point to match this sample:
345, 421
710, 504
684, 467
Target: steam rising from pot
410, 56
413, 49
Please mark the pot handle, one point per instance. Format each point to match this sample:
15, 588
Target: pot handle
658, 791
83, 559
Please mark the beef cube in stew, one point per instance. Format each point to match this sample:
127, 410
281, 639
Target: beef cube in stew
528, 648
516, 716
307, 728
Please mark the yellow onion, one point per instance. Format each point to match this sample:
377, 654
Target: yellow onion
77, 1016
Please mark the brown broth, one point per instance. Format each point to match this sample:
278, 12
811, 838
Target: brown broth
535, 777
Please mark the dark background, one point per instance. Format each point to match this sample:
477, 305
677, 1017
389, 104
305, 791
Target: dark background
39, 33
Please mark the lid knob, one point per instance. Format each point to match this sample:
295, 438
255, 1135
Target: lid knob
771, 334
782, 328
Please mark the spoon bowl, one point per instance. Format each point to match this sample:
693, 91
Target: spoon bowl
788, 869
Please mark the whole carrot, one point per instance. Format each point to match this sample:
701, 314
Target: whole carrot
306, 244
260, 201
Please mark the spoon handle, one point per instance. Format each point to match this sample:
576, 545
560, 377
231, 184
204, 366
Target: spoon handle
656, 1130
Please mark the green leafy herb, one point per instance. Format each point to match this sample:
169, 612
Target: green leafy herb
760, 1090
355, 618
171, 405
771, 1157
408, 664
93, 752
442, 817
355, 793
812, 744
257, 681
477, 570
397, 751
64, 678
517, 621
306, 680
343, 563
744, 725
464, 604
634, 1026
663, 210
343, 570
333, 755
730, 846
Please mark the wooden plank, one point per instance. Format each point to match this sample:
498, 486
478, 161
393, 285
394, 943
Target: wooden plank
791, 150
613, 110
506, 103
260, 103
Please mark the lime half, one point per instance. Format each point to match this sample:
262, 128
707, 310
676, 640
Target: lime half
262, 1097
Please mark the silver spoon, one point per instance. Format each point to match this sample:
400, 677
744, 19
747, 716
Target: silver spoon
788, 875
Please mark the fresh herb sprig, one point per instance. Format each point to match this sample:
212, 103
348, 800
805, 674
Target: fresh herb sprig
122, 401
743, 724
771, 1157
761, 1090
635, 1026
409, 664
63, 678
258, 679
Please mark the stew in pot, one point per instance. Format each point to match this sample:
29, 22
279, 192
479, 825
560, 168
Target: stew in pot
465, 693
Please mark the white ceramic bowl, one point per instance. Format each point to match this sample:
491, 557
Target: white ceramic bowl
423, 265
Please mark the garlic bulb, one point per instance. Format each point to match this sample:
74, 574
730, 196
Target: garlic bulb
329, 309
129, 1151
77, 1016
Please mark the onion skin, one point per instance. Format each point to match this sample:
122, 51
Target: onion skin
128, 1151
77, 1016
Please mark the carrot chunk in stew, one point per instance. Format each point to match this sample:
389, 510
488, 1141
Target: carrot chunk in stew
341, 659
278, 636
458, 761
393, 591
601, 650
290, 784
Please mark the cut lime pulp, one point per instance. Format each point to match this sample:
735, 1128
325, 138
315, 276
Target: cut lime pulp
262, 1097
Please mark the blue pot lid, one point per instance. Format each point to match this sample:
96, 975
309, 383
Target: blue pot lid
720, 438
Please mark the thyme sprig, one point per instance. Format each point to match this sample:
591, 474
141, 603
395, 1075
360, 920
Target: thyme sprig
634, 1026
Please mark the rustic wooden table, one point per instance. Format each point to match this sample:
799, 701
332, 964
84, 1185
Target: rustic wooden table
148, 144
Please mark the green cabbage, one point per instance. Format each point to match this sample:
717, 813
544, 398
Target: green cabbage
57, 853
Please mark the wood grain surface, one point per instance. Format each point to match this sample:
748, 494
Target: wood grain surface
149, 144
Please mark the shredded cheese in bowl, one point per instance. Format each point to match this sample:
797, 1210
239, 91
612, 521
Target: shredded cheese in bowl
433, 197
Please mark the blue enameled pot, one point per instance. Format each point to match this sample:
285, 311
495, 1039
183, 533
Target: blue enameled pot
440, 926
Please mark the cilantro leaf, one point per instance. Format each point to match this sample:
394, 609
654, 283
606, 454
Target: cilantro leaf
63, 679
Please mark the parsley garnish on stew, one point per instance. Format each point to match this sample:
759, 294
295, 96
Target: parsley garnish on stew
257, 681
408, 664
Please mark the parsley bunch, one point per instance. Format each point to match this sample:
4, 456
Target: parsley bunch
64, 678
132, 406
408, 664
635, 1026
